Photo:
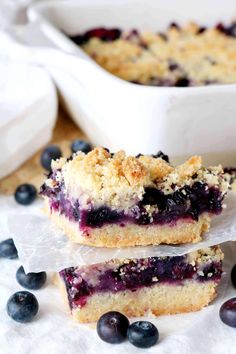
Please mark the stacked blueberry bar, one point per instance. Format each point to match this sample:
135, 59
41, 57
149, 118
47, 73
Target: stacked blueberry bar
113, 200
190, 55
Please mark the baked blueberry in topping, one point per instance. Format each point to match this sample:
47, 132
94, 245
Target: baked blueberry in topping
174, 25
32, 281
182, 82
173, 66
80, 145
112, 327
22, 306
161, 155
142, 334
105, 34
227, 30
25, 194
201, 30
52, 152
153, 196
8, 249
228, 312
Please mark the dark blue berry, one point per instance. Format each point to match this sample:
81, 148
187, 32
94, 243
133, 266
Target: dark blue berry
142, 334
80, 145
104, 34
201, 30
162, 156
25, 194
8, 249
228, 312
112, 327
52, 152
182, 82
233, 275
173, 66
32, 281
100, 216
22, 306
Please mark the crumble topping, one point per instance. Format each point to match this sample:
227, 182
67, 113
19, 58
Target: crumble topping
119, 181
181, 56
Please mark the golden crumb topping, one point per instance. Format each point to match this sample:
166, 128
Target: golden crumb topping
119, 181
202, 55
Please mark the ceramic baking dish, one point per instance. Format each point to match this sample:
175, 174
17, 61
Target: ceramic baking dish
118, 114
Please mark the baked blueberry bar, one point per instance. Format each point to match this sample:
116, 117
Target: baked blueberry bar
139, 287
181, 56
115, 200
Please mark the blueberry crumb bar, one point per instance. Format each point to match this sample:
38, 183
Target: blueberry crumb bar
115, 200
139, 287
191, 55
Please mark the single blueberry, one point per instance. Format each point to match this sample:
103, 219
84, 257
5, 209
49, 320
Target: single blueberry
201, 30
112, 327
22, 306
228, 312
81, 145
25, 194
8, 249
173, 66
233, 275
142, 334
32, 281
162, 156
182, 82
52, 152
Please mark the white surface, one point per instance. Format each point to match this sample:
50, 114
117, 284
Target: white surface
178, 121
45, 247
28, 110
54, 332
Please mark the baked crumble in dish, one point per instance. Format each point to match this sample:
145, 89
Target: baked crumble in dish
139, 287
114, 200
181, 56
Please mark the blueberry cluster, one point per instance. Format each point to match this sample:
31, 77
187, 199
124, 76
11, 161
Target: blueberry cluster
22, 306
105, 34
114, 327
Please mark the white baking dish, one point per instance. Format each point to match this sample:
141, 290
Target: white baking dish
118, 114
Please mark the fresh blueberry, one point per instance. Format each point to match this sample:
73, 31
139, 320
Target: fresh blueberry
80, 145
142, 334
22, 306
233, 275
32, 281
228, 312
8, 249
112, 327
25, 194
52, 152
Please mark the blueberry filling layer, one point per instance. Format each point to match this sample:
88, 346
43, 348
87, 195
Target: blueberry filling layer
187, 203
135, 275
